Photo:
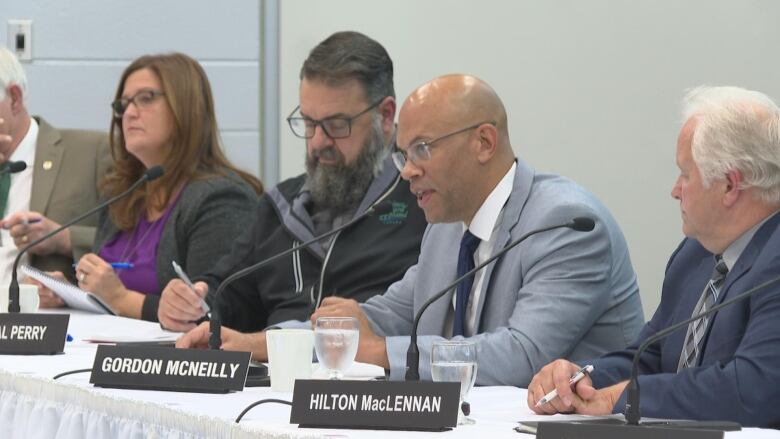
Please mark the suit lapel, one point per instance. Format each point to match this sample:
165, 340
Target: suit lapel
521, 188
742, 267
48, 158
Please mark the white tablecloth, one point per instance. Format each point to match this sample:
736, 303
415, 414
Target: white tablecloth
32, 405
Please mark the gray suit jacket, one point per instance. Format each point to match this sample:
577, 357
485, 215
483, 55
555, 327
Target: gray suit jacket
69, 165
561, 293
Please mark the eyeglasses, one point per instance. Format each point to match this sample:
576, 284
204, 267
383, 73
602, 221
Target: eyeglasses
420, 152
335, 127
142, 99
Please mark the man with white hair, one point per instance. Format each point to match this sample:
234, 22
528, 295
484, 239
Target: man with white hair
60, 182
724, 367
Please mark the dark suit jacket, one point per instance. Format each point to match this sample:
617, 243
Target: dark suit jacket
739, 375
68, 167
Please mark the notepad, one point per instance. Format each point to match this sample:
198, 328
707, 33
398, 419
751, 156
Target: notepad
73, 296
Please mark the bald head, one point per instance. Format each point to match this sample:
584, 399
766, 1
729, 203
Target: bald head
452, 100
453, 130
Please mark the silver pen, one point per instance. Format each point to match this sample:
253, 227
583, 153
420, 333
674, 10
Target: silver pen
183, 276
572, 381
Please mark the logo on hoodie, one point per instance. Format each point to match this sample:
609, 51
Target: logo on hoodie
397, 215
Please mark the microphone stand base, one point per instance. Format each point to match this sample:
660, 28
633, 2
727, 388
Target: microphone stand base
618, 429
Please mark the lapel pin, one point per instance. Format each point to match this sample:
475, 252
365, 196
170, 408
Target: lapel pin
47, 165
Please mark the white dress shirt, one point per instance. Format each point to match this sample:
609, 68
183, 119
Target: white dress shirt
484, 226
18, 199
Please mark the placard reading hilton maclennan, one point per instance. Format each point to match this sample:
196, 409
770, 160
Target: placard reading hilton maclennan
397, 405
191, 370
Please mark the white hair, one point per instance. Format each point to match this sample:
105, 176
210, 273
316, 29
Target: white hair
736, 129
11, 72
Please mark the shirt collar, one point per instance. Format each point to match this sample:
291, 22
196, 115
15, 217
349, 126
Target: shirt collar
485, 219
735, 249
25, 151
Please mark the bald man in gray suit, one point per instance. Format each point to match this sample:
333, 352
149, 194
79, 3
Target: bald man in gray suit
560, 293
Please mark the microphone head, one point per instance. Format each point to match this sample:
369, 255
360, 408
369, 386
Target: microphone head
14, 167
154, 172
583, 224
382, 208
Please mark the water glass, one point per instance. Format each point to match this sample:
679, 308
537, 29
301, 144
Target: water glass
336, 343
455, 361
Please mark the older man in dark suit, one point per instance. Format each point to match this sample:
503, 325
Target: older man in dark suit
724, 367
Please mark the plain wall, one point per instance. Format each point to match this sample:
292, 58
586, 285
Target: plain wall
592, 88
81, 47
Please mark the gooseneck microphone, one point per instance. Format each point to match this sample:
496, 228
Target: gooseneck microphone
215, 322
12, 167
580, 224
632, 398
13, 289
673, 429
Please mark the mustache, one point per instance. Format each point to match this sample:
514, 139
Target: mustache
329, 153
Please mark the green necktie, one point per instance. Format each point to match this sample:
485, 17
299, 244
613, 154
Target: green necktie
5, 185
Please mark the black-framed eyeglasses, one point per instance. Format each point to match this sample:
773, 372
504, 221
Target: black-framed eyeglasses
336, 127
142, 99
421, 151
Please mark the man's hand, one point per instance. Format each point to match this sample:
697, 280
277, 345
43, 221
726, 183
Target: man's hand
583, 399
555, 375
180, 306
371, 348
590, 401
232, 340
25, 227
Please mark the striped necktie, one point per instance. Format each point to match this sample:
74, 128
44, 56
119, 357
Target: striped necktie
693, 339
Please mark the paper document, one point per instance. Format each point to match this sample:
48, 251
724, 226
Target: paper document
73, 296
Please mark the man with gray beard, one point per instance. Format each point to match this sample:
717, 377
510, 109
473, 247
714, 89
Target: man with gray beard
346, 116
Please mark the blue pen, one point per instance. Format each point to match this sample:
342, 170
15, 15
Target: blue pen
68, 337
25, 222
122, 265
117, 265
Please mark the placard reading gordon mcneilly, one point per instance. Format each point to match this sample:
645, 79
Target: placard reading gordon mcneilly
394, 405
158, 368
33, 334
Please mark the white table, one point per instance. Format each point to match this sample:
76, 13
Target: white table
32, 405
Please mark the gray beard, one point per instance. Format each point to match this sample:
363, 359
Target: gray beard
341, 188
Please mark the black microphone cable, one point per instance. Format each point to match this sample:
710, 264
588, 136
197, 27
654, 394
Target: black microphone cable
257, 403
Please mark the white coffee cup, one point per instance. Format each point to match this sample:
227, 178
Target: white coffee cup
28, 298
289, 356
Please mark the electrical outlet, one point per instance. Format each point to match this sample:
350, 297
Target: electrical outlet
20, 38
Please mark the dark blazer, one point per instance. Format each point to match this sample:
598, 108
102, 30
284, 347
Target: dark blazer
67, 171
738, 378
208, 217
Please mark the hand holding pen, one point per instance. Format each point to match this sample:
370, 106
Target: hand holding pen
183, 276
575, 378
25, 227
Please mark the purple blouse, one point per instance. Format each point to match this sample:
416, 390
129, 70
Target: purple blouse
138, 247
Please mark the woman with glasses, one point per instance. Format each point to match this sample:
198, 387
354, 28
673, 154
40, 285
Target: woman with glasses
163, 115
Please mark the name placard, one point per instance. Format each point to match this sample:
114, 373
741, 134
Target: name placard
384, 405
157, 368
33, 334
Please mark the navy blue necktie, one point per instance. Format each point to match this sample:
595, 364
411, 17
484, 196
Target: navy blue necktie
468, 244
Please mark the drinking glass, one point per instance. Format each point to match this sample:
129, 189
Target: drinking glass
456, 361
336, 343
